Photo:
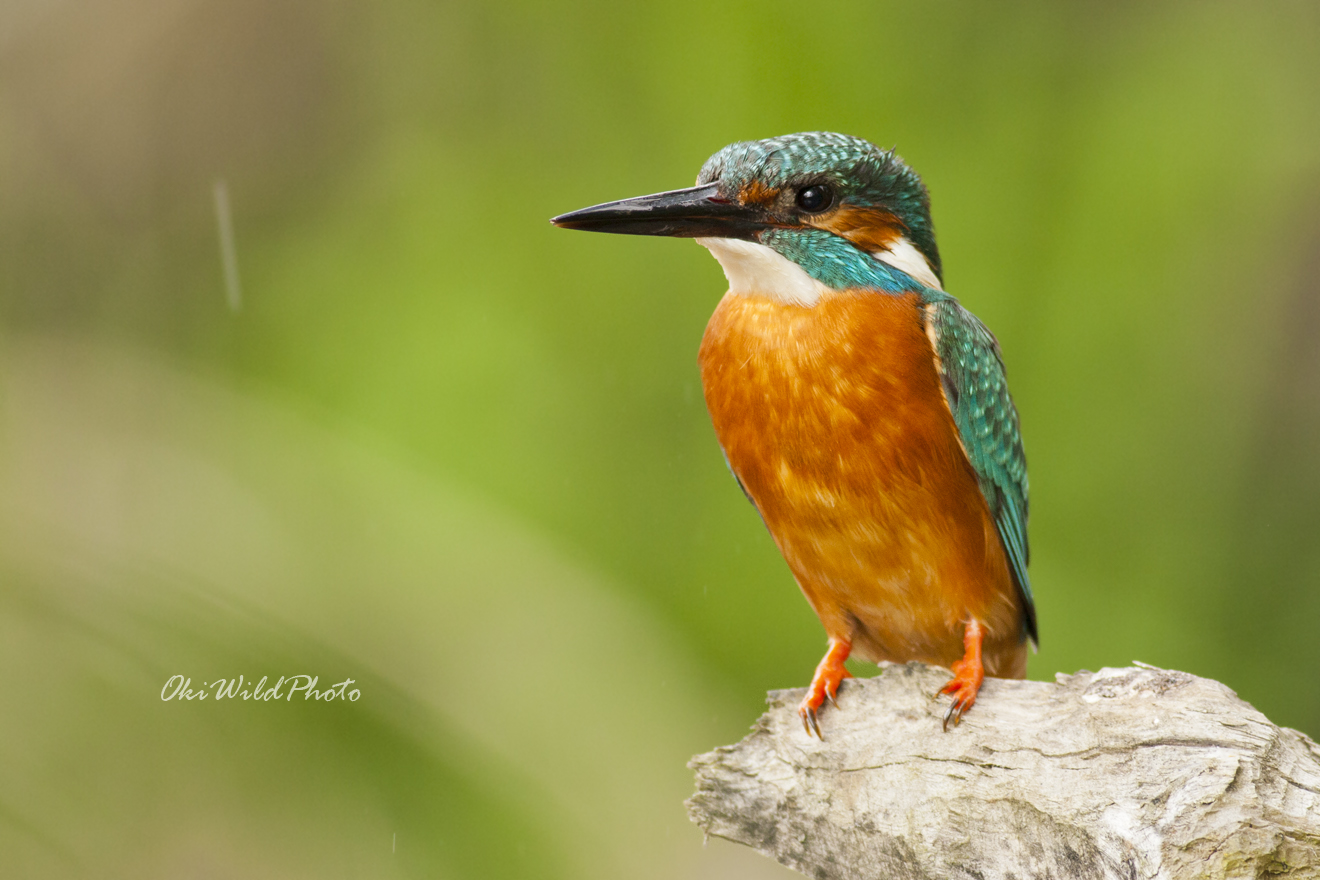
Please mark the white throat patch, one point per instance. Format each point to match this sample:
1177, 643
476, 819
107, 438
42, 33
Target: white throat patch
756, 269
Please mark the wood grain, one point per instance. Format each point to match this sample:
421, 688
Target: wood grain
1136, 773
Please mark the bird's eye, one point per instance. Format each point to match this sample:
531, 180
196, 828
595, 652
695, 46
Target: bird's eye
816, 198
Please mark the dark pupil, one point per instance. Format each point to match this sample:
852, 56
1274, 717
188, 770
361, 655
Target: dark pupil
814, 198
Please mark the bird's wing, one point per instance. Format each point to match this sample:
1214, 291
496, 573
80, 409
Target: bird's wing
972, 372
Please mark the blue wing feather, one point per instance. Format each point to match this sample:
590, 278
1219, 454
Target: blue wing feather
972, 371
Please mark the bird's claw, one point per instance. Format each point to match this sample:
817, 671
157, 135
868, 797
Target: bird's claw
809, 711
957, 709
968, 673
963, 687
824, 686
810, 723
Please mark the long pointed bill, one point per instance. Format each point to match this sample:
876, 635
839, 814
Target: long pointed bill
696, 212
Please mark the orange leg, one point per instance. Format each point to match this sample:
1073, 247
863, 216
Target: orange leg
968, 673
825, 684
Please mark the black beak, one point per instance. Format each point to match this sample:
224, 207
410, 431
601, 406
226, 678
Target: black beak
696, 212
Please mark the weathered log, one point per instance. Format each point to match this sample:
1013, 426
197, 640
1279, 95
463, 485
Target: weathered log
1122, 773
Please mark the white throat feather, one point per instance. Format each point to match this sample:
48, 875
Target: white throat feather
754, 269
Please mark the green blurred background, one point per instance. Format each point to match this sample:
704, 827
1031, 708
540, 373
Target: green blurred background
462, 457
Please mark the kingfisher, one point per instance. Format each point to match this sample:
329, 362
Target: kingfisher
861, 409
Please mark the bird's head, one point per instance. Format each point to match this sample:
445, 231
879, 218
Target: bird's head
793, 216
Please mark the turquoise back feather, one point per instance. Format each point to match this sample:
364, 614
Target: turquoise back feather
972, 371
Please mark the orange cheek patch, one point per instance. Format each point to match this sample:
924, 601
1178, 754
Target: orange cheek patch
871, 230
757, 193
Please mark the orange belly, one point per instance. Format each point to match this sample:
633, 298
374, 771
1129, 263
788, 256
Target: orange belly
833, 419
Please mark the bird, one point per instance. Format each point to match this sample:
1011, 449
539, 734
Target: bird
862, 410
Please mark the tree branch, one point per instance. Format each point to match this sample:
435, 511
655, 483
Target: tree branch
1122, 773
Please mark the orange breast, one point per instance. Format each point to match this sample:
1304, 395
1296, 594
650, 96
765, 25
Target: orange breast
833, 419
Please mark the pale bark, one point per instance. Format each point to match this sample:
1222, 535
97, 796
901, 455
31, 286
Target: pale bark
1123, 773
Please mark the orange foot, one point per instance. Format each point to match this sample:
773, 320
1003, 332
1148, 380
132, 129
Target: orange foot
825, 684
968, 673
